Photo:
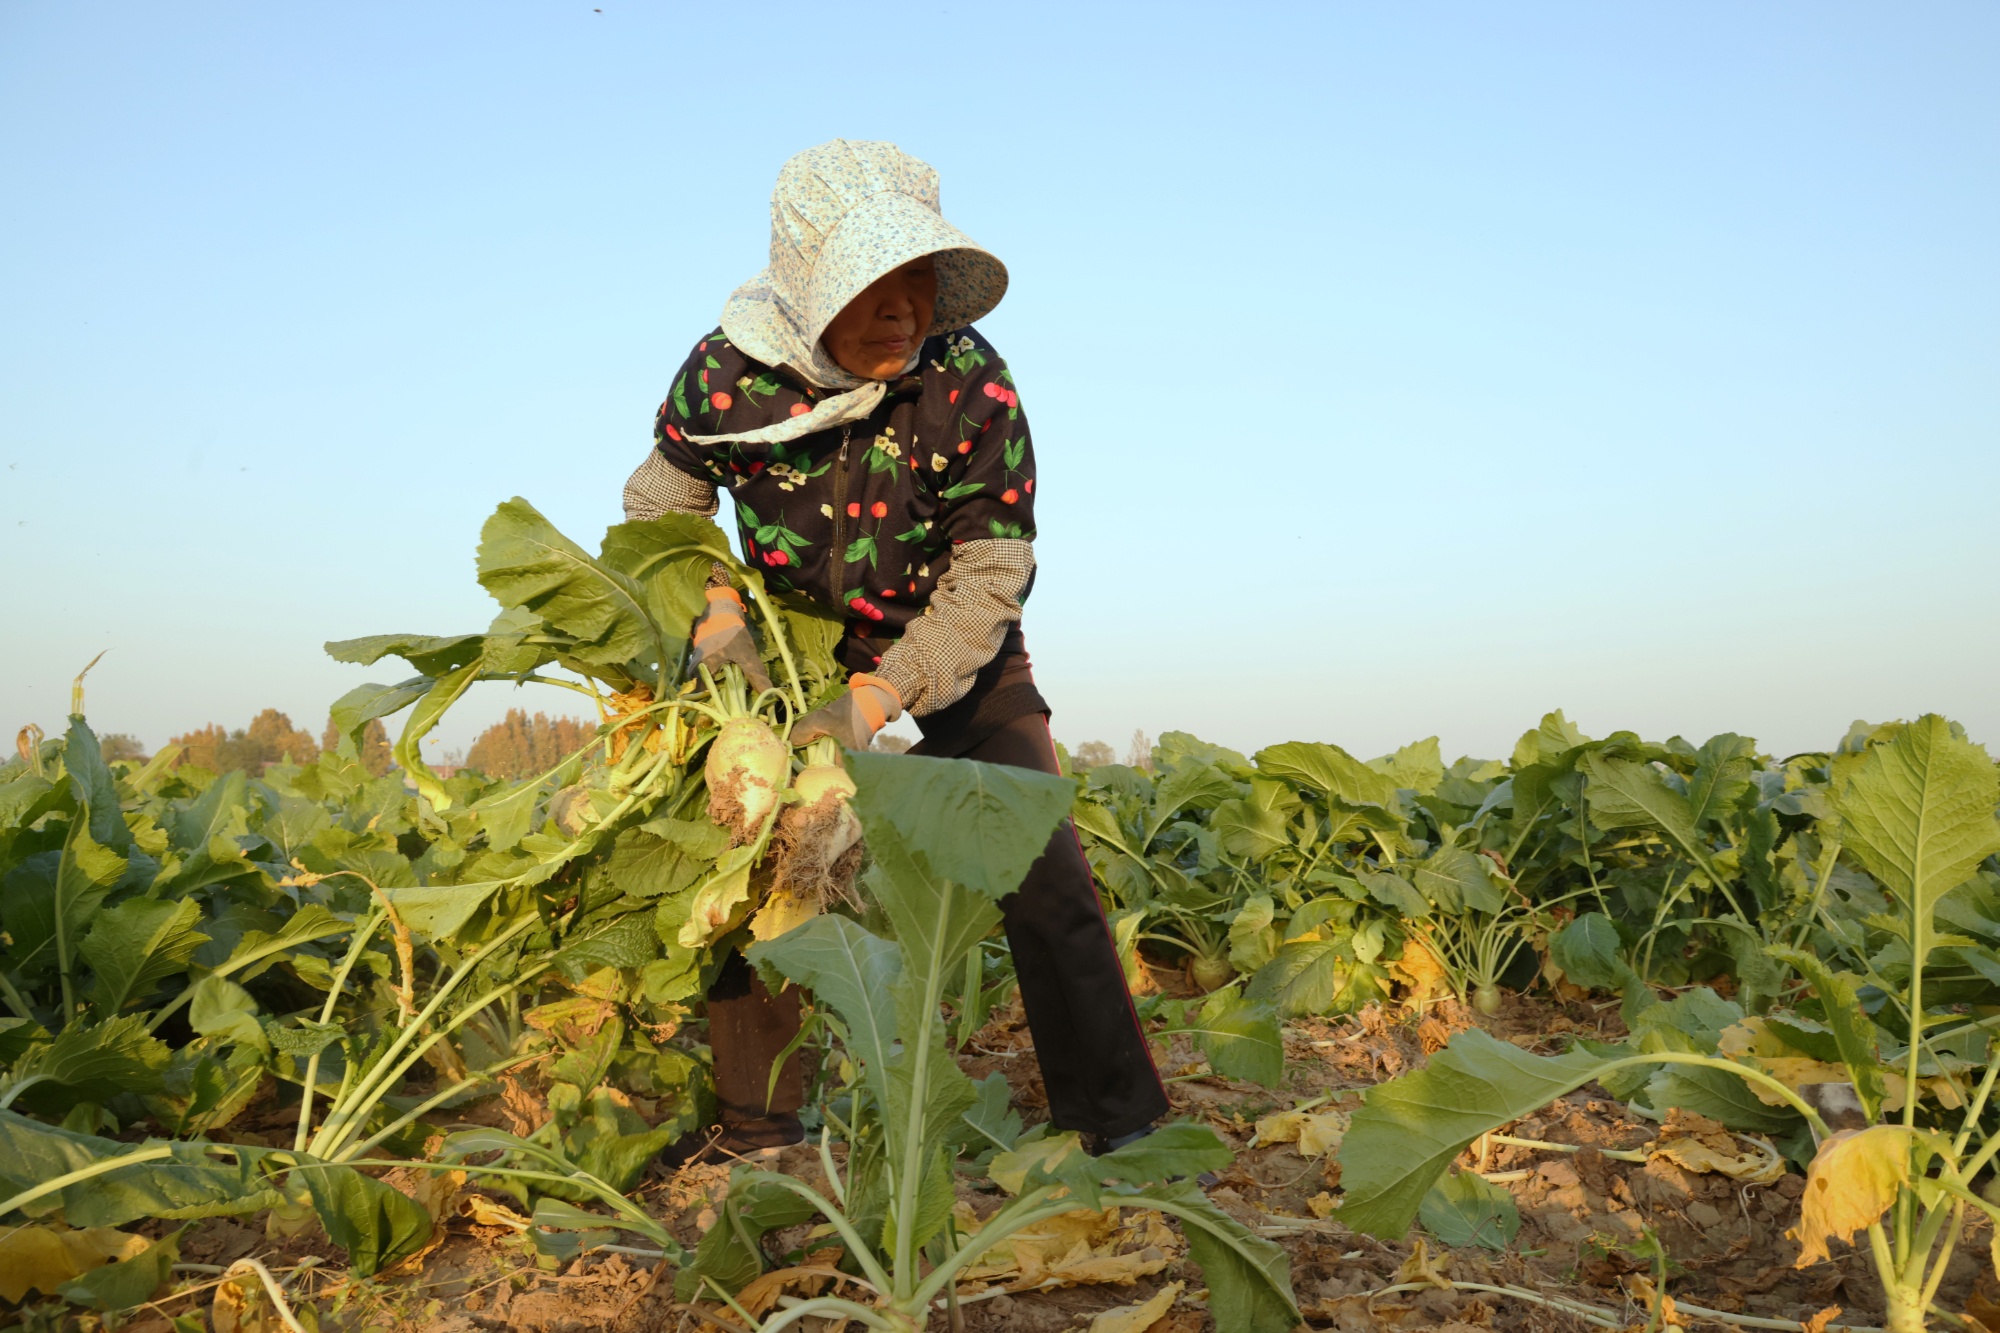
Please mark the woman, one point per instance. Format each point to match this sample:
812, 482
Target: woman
875, 449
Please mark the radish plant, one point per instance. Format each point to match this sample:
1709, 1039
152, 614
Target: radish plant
1915, 808
948, 838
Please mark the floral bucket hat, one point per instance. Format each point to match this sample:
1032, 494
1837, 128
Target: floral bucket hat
842, 215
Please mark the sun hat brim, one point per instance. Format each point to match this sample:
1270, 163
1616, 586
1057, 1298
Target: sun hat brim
886, 231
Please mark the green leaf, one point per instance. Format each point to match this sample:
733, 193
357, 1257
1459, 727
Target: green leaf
1250, 831
1456, 879
1719, 1095
508, 814
668, 559
1171, 1152
1329, 769
376, 1224
86, 873
1253, 941
849, 969
1306, 977
1853, 1034
992, 1117
136, 945
525, 562
363, 704
127, 1282
1918, 814
1410, 1129
1624, 793
979, 825
1418, 766
1722, 772
731, 1253
91, 782
432, 654
1463, 1209
1395, 893
88, 1063
1240, 1038
440, 911
1249, 1278
430, 709
221, 1008
1590, 953
186, 1184
1196, 784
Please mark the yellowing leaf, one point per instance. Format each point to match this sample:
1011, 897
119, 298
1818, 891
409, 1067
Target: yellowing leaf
242, 1305
1080, 1248
1137, 1318
1747, 1160
1420, 969
717, 905
1322, 1205
1316, 1134
1009, 1170
1421, 1267
1754, 1043
42, 1258
487, 1213
1853, 1180
782, 911
1944, 1090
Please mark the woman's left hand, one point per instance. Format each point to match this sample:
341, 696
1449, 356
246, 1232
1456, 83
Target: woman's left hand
853, 718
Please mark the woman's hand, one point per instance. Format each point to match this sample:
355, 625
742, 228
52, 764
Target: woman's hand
853, 718
720, 636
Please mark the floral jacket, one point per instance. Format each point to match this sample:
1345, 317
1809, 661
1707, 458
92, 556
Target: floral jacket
865, 516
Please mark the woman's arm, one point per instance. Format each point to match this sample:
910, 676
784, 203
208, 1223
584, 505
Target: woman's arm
658, 487
971, 609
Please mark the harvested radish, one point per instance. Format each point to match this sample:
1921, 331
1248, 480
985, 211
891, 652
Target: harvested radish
818, 839
746, 770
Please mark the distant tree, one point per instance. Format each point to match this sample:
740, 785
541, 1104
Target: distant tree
889, 744
375, 755
1140, 753
118, 745
203, 748
272, 739
1092, 754
518, 746
269, 739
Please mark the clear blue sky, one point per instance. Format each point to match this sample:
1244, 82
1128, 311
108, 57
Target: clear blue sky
1395, 368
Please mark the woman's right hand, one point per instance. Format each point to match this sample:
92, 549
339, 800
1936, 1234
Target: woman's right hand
721, 636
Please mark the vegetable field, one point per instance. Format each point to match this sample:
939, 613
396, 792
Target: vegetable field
1608, 1032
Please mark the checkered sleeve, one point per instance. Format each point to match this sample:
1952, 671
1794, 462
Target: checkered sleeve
658, 487
978, 598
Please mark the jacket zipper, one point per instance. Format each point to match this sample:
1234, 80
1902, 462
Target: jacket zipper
836, 558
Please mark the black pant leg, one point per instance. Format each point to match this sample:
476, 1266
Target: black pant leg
1095, 1064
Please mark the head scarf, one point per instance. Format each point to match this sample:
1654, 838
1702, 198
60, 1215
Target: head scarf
842, 215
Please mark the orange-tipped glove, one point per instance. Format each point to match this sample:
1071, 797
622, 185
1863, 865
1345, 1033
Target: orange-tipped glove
870, 704
721, 636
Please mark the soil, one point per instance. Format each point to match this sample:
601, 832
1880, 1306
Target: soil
1581, 1213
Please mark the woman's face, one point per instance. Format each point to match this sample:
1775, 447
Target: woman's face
877, 333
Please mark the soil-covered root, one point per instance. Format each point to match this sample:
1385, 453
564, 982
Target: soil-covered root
817, 844
746, 770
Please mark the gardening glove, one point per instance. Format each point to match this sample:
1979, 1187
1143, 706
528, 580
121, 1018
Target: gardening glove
720, 636
852, 719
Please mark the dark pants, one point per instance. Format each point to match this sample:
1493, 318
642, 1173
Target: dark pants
1096, 1067
1095, 1064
